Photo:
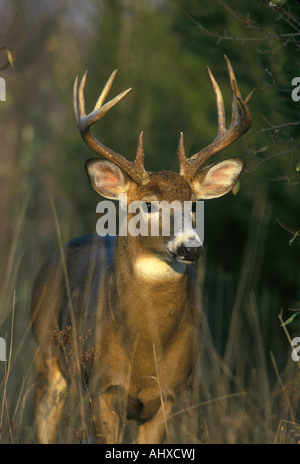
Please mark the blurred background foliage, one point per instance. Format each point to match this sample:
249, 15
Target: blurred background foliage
162, 49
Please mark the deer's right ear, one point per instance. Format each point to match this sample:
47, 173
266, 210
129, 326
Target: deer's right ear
106, 178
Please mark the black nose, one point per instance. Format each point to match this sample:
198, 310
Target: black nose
189, 253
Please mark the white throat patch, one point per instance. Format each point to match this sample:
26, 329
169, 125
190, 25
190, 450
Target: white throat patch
154, 268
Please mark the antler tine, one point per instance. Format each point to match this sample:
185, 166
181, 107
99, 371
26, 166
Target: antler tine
240, 111
75, 99
105, 90
240, 123
134, 169
183, 162
219, 103
99, 111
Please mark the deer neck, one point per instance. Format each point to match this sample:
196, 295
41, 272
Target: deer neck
148, 289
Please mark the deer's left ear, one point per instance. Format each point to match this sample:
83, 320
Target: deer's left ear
217, 180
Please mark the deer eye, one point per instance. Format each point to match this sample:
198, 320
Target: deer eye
149, 207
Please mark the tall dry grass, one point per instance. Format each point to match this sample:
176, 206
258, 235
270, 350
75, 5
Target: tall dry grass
239, 394
16, 381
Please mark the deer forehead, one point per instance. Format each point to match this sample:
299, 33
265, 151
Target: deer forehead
166, 185
155, 269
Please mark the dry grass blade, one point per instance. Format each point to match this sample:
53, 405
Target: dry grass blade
71, 311
12, 265
280, 428
160, 393
7, 371
205, 403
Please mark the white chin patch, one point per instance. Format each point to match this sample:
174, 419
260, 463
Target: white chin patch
154, 268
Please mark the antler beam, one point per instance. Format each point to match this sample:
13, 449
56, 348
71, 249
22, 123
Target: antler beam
240, 123
134, 169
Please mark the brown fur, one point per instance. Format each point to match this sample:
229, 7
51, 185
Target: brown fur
145, 330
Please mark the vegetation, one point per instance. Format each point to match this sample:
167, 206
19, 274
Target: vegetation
246, 386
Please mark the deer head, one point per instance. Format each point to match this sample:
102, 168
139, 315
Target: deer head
116, 175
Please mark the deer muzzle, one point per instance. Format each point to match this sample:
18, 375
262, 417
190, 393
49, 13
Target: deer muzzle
190, 250
186, 249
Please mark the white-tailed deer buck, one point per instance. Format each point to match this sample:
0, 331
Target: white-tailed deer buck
134, 304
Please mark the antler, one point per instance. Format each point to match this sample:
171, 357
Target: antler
240, 123
134, 169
